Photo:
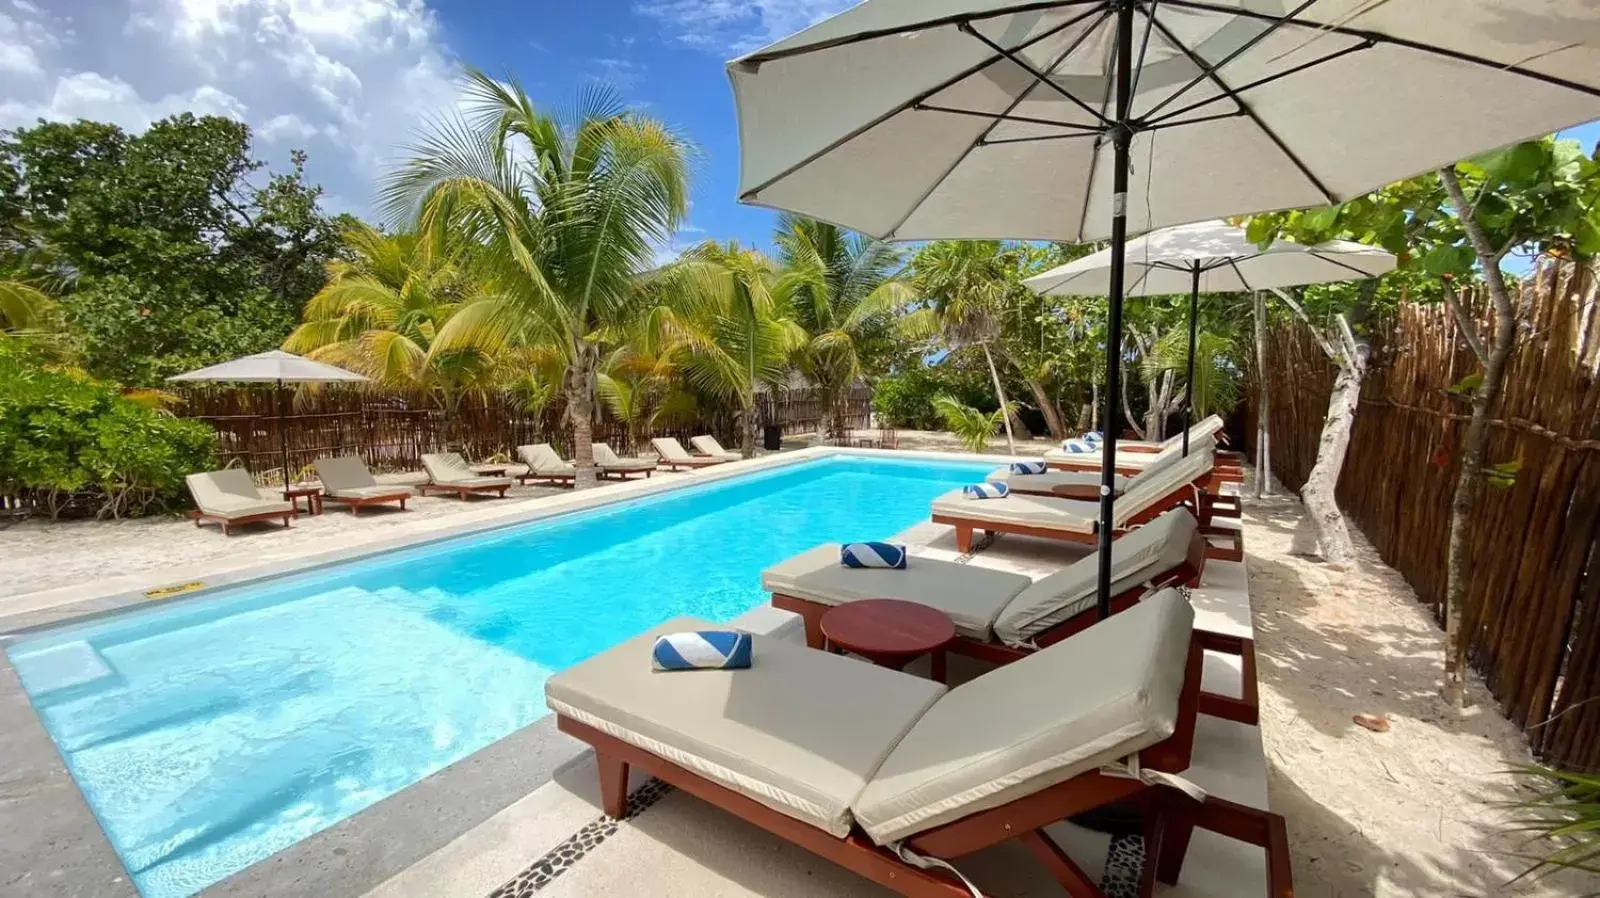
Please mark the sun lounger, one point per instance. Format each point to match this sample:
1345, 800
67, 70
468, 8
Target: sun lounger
674, 456
1134, 456
708, 446
230, 498
1074, 520
346, 481
1001, 617
448, 473
621, 468
544, 464
880, 771
1067, 484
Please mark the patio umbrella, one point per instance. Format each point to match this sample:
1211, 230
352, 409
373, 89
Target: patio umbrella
272, 367
1027, 119
1211, 257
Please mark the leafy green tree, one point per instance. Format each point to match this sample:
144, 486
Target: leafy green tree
973, 427
564, 216
844, 290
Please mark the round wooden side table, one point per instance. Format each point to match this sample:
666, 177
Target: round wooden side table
889, 632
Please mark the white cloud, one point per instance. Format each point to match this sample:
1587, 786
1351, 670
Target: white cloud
734, 27
620, 73
350, 81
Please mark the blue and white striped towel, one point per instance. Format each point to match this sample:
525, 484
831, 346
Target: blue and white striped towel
1093, 438
885, 555
1029, 467
985, 490
1079, 445
701, 650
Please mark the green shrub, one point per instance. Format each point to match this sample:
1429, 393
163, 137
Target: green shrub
905, 399
75, 444
973, 427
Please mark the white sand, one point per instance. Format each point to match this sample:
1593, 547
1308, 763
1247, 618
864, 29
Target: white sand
1408, 812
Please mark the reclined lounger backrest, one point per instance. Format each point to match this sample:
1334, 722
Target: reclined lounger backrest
1153, 486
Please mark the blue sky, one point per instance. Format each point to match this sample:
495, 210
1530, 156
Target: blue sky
350, 81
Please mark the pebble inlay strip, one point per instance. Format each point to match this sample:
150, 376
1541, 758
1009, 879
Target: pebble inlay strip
560, 859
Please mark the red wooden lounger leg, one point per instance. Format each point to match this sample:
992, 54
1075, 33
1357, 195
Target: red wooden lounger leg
963, 537
1062, 869
613, 785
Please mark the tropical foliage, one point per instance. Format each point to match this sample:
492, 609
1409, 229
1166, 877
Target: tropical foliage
972, 427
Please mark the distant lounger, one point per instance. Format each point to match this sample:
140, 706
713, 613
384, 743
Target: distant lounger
897, 778
1074, 520
544, 464
1002, 617
346, 481
1134, 456
230, 498
448, 473
674, 456
708, 446
621, 468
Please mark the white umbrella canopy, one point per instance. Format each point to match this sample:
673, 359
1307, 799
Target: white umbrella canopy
924, 119
1166, 262
1211, 257
1029, 119
273, 366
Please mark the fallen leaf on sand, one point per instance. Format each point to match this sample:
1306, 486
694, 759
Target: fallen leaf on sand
1372, 722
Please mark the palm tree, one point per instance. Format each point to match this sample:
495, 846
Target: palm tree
23, 307
739, 331
843, 289
967, 282
381, 312
563, 215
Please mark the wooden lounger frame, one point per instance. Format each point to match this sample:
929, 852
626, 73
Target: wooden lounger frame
552, 479
965, 526
462, 490
1246, 709
357, 503
226, 522
673, 464
604, 473
1170, 816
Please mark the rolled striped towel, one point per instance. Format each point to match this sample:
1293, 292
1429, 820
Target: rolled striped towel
701, 650
885, 555
1079, 445
1029, 467
985, 490
1093, 438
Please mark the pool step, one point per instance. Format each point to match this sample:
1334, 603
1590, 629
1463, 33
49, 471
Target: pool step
133, 724
64, 672
242, 793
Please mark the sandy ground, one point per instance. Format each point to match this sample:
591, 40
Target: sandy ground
1414, 811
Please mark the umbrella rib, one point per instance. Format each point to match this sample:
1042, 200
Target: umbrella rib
1379, 37
1144, 46
1195, 121
984, 136
1271, 135
1240, 274
1038, 77
998, 141
1094, 162
1345, 265
756, 60
1364, 45
998, 117
1210, 70
968, 72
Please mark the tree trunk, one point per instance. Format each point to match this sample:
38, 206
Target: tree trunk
1263, 408
1127, 411
747, 440
579, 387
1000, 395
1469, 478
1053, 419
1324, 531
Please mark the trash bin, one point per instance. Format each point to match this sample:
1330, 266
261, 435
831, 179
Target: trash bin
772, 437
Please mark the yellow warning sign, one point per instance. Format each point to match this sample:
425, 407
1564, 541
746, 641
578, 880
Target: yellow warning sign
169, 591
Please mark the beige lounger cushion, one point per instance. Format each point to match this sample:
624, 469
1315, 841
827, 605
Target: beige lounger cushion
800, 731
381, 491
1198, 438
1050, 512
608, 459
709, 446
541, 459
1089, 700
970, 596
448, 469
1050, 479
672, 450
230, 494
347, 477
1137, 556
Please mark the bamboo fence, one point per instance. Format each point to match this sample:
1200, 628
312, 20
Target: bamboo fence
1533, 608
391, 434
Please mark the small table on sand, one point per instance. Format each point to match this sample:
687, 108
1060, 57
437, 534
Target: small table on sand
890, 632
311, 492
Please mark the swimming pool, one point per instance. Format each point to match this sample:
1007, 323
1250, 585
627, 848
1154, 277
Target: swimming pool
209, 735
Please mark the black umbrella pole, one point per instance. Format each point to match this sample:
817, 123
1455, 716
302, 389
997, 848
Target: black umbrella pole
1121, 138
1188, 383
283, 434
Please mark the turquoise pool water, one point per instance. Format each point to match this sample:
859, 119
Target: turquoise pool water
210, 735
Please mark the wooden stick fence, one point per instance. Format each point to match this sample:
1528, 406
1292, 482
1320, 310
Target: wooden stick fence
1533, 608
